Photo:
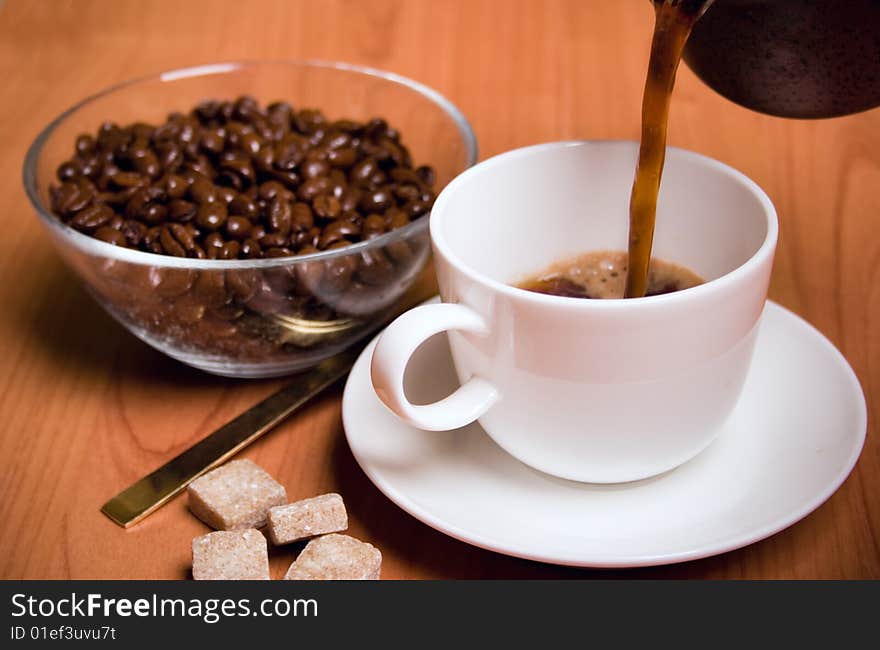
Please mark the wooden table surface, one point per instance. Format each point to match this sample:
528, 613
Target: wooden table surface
85, 408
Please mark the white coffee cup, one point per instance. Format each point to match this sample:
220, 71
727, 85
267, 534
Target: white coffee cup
591, 390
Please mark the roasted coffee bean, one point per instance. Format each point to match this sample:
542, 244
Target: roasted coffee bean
362, 171
175, 186
240, 165
416, 208
141, 131
250, 143
225, 195
118, 199
202, 190
188, 310
278, 252
426, 174
338, 183
279, 216
68, 170
270, 189
91, 166
326, 206
344, 157
238, 227
273, 240
338, 271
244, 206
134, 232
350, 199
169, 155
200, 164
374, 268
336, 139
279, 113
213, 140
246, 107
407, 193
309, 274
314, 168
374, 224
399, 251
111, 236
136, 204
146, 163
181, 211
376, 127
226, 312
62, 197
338, 230
92, 217
290, 179
312, 187
85, 144
213, 242
243, 283
378, 178
250, 248
308, 120
154, 213
151, 235
111, 137
171, 244
405, 175
121, 180
212, 216
301, 216
227, 179
207, 111
316, 136
230, 250
210, 288
398, 154
257, 232
377, 200
396, 218
264, 159
305, 238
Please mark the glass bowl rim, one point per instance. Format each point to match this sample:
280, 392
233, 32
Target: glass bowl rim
93, 246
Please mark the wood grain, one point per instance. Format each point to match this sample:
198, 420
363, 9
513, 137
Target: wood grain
85, 408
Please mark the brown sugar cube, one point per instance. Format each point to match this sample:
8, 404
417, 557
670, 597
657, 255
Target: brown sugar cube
230, 555
307, 518
336, 557
235, 496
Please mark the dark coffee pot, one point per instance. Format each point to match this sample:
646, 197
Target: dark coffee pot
791, 58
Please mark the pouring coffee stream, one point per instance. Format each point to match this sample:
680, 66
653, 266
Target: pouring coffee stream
674, 20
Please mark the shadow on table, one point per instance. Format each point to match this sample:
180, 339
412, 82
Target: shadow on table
79, 337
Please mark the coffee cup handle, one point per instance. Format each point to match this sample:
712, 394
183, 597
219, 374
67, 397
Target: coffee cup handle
394, 350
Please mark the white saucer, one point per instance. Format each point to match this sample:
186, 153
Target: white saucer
792, 440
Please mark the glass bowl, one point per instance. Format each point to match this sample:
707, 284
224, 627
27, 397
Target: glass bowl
261, 317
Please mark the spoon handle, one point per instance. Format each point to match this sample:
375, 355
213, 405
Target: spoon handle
154, 490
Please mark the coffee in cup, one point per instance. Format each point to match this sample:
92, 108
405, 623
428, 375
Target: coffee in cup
602, 275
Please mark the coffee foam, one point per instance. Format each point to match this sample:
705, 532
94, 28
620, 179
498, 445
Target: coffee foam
602, 275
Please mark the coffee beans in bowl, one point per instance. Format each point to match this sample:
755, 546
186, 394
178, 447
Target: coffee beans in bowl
243, 234
236, 180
